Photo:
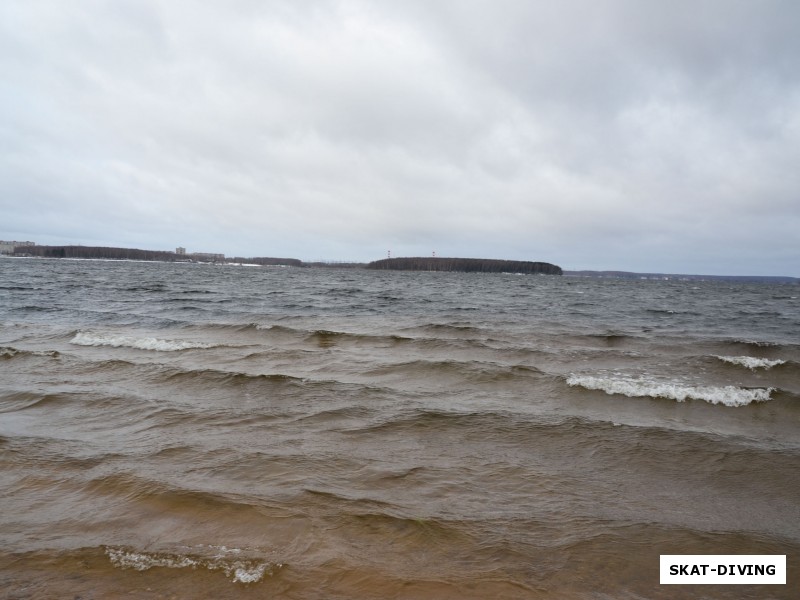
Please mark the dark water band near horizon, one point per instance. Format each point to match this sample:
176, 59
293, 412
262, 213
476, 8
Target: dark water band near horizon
199, 431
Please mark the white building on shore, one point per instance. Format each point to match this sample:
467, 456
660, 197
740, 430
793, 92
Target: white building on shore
8, 247
200, 256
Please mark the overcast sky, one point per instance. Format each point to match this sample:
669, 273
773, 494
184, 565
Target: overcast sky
597, 134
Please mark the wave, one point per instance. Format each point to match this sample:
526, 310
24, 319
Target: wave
144, 343
754, 343
21, 400
32, 308
327, 338
667, 311
457, 329
312, 335
224, 381
228, 377
610, 339
619, 440
232, 561
18, 288
186, 301
473, 371
751, 362
11, 352
237, 327
156, 287
351, 291
427, 419
336, 414
641, 388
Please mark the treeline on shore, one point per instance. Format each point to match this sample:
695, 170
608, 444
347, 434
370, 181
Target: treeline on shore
268, 261
109, 253
95, 252
465, 265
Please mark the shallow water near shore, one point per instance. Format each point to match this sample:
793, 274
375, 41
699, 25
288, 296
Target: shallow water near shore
200, 431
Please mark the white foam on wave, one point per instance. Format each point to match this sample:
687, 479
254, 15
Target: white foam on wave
640, 388
145, 343
237, 569
9, 352
750, 362
142, 561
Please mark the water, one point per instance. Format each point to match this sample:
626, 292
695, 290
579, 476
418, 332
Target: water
198, 431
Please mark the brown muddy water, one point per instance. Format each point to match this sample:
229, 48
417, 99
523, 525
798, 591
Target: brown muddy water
198, 431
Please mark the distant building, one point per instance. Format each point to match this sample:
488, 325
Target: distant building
200, 256
206, 256
8, 247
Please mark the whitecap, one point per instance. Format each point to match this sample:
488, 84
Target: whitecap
750, 362
247, 574
9, 352
144, 343
640, 387
141, 561
237, 569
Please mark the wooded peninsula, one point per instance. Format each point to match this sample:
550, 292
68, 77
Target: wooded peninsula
465, 265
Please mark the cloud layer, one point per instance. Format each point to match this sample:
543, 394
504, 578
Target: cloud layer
592, 134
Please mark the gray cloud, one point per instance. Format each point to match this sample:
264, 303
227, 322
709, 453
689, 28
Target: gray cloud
607, 134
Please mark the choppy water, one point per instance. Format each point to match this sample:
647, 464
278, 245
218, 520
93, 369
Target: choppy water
195, 431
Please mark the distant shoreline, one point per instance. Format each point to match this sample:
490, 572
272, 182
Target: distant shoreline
422, 264
682, 277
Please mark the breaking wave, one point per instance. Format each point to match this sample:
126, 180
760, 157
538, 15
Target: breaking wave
750, 362
11, 352
145, 343
640, 388
229, 560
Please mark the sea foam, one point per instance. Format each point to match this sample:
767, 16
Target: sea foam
750, 362
640, 387
8, 352
145, 343
237, 569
